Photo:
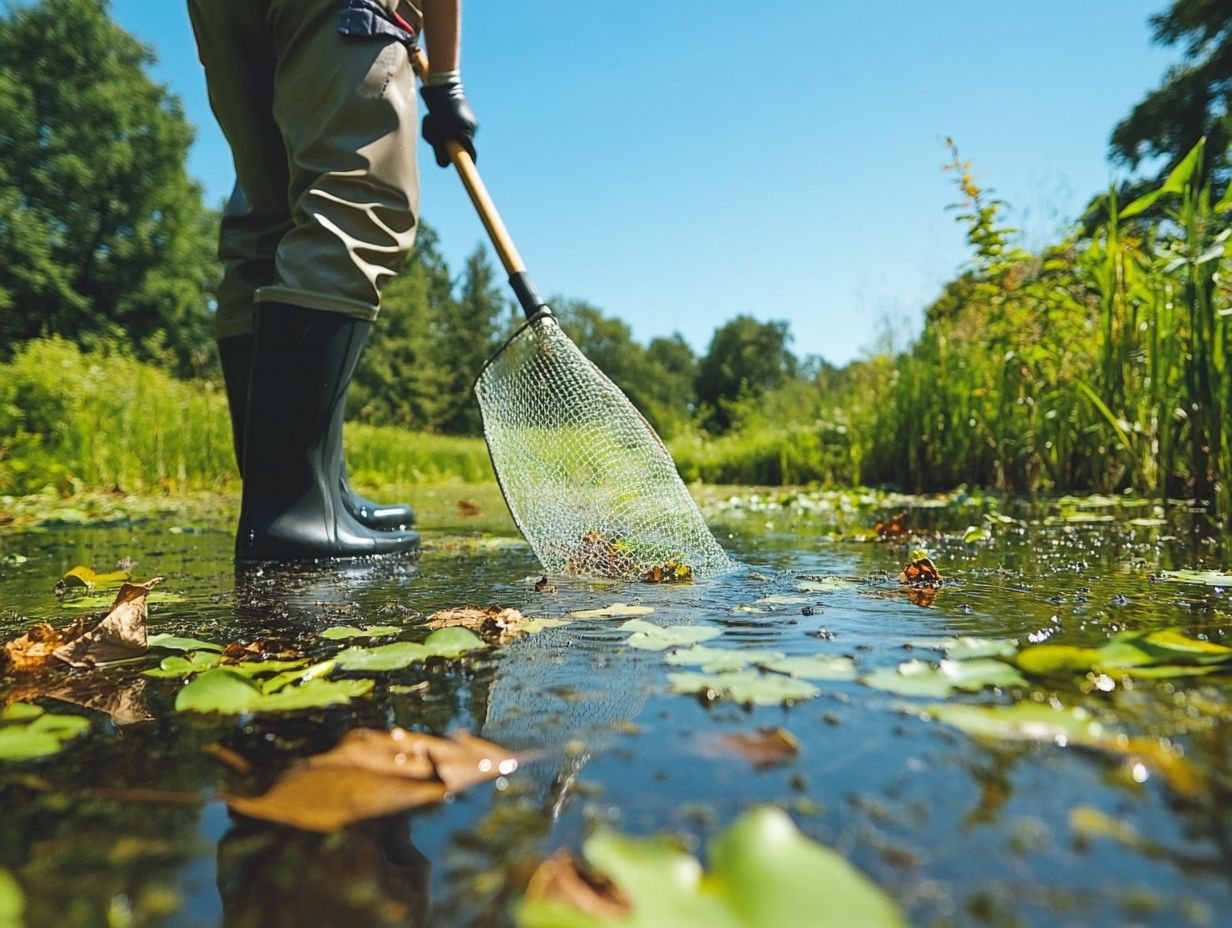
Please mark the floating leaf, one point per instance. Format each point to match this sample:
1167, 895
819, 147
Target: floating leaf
222, 690
716, 660
34, 651
895, 527
178, 643
452, 642
964, 648
490, 620
764, 747
180, 668
84, 578
396, 656
920, 678
614, 611
531, 626
921, 571
783, 599
770, 690
120, 635
763, 874
342, 632
813, 667
12, 901
975, 534
102, 602
24, 736
1165, 652
375, 773
711, 684
828, 585
650, 637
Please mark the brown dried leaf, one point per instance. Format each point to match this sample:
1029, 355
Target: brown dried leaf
371, 773
922, 572
764, 747
261, 649
121, 634
34, 651
328, 798
894, 527
544, 585
492, 620
668, 572
468, 508
563, 878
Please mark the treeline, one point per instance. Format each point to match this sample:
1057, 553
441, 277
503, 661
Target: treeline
1099, 363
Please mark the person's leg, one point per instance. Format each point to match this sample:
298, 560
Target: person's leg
249, 49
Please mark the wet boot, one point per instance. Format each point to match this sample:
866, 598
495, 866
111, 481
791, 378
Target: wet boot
292, 507
235, 356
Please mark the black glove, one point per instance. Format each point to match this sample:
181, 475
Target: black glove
449, 119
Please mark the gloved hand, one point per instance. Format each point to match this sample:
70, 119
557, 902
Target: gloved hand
449, 119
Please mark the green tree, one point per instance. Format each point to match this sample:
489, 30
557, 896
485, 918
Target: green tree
1195, 96
102, 233
745, 359
467, 336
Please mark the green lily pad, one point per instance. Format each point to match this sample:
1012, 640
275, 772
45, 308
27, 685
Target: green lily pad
12, 900
784, 599
745, 686
716, 660
104, 602
20, 712
178, 643
920, 678
224, 691
1023, 721
24, 735
813, 667
1137, 654
650, 637
444, 642
763, 874
827, 585
343, 632
614, 611
298, 674
1206, 577
964, 648
176, 667
531, 626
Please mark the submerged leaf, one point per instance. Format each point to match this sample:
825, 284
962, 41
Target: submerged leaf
373, 773
764, 747
763, 874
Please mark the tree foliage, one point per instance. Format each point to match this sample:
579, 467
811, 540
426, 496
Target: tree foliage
1195, 97
102, 233
746, 358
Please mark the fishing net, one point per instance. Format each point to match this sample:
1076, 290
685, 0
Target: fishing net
588, 481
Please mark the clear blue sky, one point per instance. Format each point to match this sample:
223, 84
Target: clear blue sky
678, 163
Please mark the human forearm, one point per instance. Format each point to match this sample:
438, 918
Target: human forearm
443, 34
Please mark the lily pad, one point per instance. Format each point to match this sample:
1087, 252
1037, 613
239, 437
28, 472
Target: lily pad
26, 731
1165, 652
224, 691
650, 637
813, 667
614, 611
452, 642
784, 599
1023, 721
175, 667
532, 626
716, 660
102, 602
444, 642
965, 648
763, 874
920, 678
179, 643
343, 632
1206, 577
745, 686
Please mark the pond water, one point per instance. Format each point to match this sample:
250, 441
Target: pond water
126, 827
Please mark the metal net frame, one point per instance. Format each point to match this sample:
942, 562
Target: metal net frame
589, 483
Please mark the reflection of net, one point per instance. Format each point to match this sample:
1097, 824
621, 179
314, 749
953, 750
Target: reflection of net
588, 481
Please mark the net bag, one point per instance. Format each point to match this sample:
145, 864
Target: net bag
589, 483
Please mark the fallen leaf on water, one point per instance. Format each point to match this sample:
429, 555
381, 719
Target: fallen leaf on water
893, 527
716, 660
444, 642
564, 880
261, 649
650, 637
27, 731
224, 690
33, 652
813, 667
84, 578
744, 686
544, 585
764, 747
342, 632
179, 643
763, 873
120, 635
920, 678
492, 620
614, 611
964, 648
373, 773
668, 572
921, 572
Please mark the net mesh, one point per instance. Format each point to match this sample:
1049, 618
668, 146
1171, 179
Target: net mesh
588, 481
